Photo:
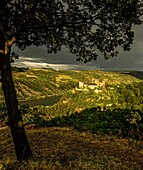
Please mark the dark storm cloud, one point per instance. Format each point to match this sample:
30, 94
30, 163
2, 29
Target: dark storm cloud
40, 52
39, 57
132, 59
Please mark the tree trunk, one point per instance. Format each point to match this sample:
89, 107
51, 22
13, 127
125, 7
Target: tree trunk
22, 147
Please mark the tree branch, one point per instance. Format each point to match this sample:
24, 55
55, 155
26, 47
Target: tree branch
32, 13
33, 9
11, 42
6, 43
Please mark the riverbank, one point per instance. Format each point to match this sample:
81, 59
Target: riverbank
44, 101
39, 99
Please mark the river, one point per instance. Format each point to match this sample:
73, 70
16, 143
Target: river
48, 101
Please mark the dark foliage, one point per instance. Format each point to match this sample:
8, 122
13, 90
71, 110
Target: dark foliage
121, 122
83, 26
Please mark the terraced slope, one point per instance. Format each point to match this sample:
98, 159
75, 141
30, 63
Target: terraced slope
33, 83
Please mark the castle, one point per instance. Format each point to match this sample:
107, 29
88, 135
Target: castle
95, 84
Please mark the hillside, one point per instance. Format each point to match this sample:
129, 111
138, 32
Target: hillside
33, 83
68, 149
138, 74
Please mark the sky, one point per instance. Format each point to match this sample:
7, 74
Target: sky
37, 57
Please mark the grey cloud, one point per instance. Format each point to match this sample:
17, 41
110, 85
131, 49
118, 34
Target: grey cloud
125, 60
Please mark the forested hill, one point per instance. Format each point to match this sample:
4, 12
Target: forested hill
33, 83
138, 74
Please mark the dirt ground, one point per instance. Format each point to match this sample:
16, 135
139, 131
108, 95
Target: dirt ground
69, 146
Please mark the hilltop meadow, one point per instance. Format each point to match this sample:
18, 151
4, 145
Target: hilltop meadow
89, 128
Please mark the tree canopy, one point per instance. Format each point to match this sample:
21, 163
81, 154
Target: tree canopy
83, 26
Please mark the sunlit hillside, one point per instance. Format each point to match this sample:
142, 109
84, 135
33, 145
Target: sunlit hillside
33, 83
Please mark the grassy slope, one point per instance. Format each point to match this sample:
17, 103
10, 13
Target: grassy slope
66, 148
32, 83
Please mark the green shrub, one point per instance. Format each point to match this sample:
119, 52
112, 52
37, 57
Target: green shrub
121, 122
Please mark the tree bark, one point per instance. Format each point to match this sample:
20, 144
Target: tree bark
22, 147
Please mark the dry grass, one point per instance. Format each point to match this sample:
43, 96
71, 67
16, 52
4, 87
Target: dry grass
66, 148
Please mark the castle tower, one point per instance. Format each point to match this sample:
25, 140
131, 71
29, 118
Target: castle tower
81, 84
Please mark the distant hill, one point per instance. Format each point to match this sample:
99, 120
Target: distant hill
137, 74
33, 83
